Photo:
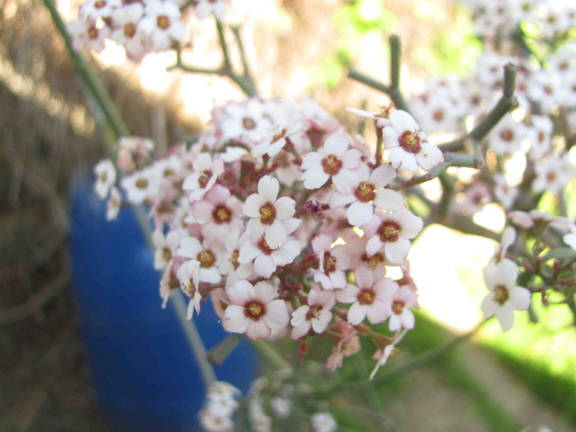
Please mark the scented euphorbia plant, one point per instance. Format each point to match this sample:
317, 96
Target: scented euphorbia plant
291, 241
290, 224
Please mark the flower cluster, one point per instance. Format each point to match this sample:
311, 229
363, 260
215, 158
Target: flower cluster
141, 26
285, 220
219, 407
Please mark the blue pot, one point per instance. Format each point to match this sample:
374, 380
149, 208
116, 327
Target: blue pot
142, 369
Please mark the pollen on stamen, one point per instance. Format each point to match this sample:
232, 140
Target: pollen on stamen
206, 258
268, 214
501, 294
365, 192
410, 142
366, 297
221, 214
389, 231
254, 310
331, 164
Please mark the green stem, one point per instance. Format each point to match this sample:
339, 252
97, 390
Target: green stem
506, 103
395, 64
89, 78
450, 159
271, 355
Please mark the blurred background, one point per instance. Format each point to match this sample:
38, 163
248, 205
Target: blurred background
49, 133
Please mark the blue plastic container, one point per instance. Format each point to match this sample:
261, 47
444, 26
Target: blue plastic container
142, 369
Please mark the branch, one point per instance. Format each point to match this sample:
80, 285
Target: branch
506, 103
89, 78
394, 89
450, 159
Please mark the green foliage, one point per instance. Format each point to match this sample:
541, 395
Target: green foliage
451, 51
354, 22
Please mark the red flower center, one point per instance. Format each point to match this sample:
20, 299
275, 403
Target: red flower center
366, 297
389, 231
267, 213
410, 142
331, 165
206, 258
163, 22
254, 310
365, 192
398, 307
129, 30
221, 214
329, 263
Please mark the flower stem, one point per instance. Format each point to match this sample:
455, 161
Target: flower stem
89, 78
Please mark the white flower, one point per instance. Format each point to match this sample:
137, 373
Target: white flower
206, 7
218, 213
393, 231
366, 189
370, 297
315, 315
165, 246
141, 185
204, 255
88, 34
333, 262
402, 317
206, 172
268, 213
334, 160
189, 275
266, 259
504, 296
323, 422
94, 9
105, 177
127, 33
410, 149
113, 204
255, 310
162, 22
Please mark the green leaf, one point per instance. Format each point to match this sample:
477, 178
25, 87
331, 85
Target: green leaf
564, 252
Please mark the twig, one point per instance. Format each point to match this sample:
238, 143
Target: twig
506, 103
450, 160
393, 90
90, 79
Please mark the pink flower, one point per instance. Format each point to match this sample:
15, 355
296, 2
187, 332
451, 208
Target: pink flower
206, 171
333, 262
334, 160
188, 274
266, 259
218, 213
268, 213
393, 231
369, 297
364, 190
202, 254
410, 149
206, 7
402, 317
105, 177
316, 315
504, 296
162, 22
255, 310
